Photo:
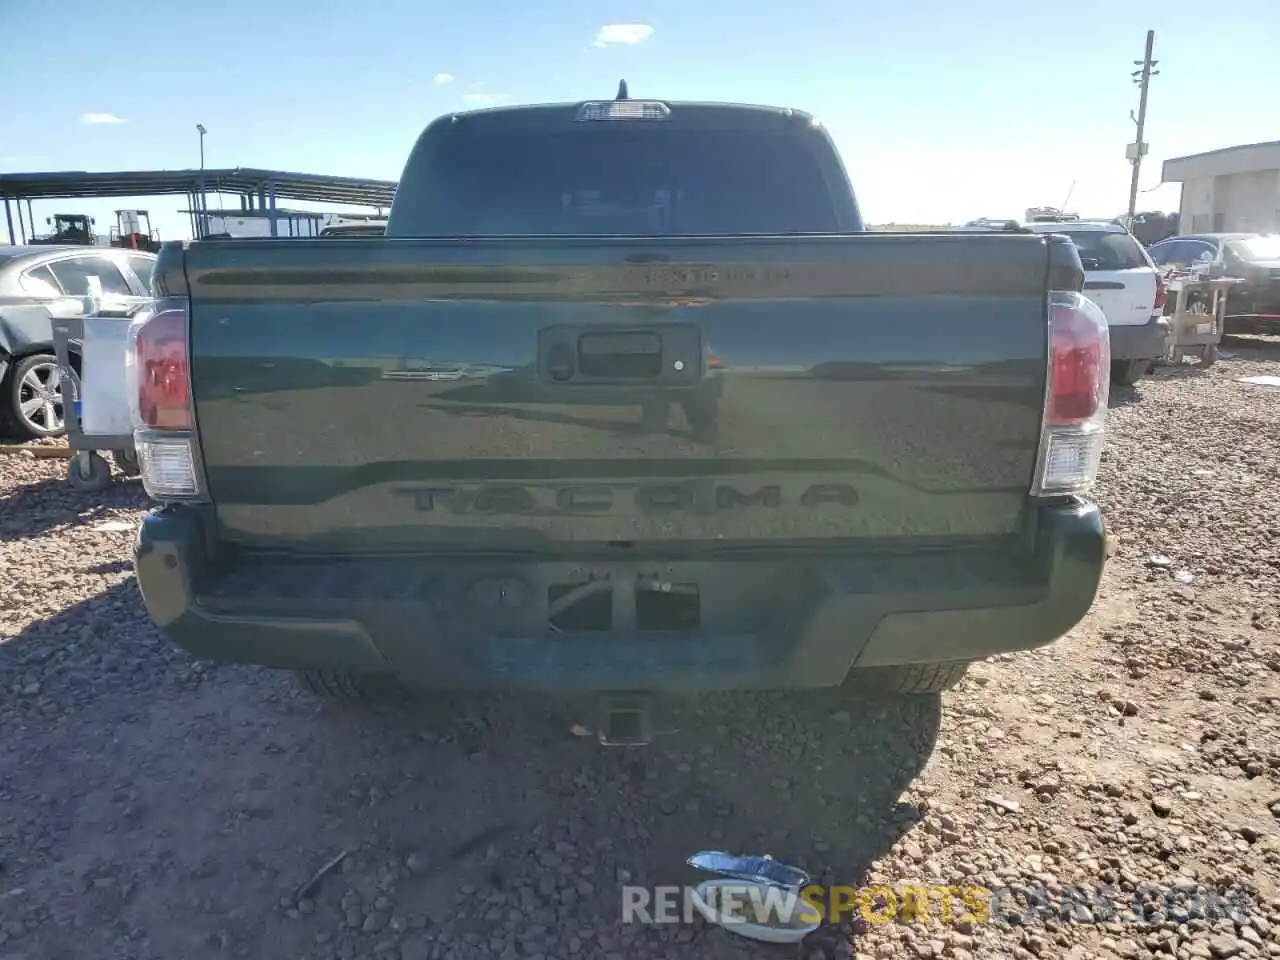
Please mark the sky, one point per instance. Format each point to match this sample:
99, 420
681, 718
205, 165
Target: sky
943, 111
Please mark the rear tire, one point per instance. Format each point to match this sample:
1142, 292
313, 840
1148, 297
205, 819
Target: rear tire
340, 685
1126, 373
911, 679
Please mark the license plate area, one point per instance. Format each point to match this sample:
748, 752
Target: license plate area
659, 355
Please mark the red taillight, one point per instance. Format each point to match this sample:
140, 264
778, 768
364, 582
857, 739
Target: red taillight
162, 372
1075, 414
158, 373
1162, 291
1079, 361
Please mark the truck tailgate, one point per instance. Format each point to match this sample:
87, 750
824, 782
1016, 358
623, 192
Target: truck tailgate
524, 393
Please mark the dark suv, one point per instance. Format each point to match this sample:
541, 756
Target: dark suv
1253, 257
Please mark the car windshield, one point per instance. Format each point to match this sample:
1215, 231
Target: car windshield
1259, 248
1103, 250
626, 180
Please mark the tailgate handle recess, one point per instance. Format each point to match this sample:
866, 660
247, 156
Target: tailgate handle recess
664, 354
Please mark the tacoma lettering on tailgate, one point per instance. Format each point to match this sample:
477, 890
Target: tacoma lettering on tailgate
594, 498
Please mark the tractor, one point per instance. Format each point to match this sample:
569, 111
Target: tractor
133, 231
68, 228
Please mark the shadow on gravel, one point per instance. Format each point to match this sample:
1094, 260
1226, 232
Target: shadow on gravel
1181, 371
138, 786
36, 508
110, 566
1120, 396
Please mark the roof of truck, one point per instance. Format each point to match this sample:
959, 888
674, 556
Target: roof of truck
1061, 226
708, 112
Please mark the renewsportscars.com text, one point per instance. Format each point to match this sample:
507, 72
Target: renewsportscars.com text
1149, 904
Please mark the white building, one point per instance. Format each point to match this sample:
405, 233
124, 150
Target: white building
1236, 189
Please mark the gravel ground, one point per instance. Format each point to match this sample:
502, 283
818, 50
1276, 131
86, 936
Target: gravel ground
152, 806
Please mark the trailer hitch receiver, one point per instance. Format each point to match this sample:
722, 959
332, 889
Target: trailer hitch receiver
625, 720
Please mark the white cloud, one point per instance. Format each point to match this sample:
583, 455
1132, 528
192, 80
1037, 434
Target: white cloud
628, 34
98, 118
443, 78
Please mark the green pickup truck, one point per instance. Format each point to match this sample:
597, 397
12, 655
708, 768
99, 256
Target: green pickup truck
626, 402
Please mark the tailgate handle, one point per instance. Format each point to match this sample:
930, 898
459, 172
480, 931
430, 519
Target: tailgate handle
1103, 285
633, 354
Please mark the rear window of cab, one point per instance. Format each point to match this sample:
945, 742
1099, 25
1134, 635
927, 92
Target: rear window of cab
1106, 250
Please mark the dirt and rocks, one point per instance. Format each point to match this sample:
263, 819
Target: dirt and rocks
152, 806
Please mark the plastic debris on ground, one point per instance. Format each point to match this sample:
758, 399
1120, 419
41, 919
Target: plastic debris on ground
754, 897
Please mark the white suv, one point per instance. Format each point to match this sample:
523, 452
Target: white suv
1126, 285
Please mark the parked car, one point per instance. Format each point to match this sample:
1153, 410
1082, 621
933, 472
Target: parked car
1121, 279
38, 283
897, 487
1252, 257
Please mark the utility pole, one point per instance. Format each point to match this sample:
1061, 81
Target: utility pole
202, 218
1136, 151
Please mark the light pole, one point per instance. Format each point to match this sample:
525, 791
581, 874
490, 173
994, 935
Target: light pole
202, 220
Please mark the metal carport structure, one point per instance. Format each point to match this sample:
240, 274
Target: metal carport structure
257, 189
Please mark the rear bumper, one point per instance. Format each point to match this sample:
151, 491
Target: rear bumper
801, 621
1140, 341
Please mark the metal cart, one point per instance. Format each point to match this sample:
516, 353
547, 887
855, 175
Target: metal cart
1197, 315
87, 469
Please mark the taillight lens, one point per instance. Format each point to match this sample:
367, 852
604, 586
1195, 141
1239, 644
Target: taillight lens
1162, 292
161, 379
1078, 352
158, 372
1079, 369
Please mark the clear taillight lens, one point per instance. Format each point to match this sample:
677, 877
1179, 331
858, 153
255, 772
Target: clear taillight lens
1079, 369
168, 468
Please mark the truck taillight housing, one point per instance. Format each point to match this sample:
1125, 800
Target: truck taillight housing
1162, 295
1075, 409
158, 373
